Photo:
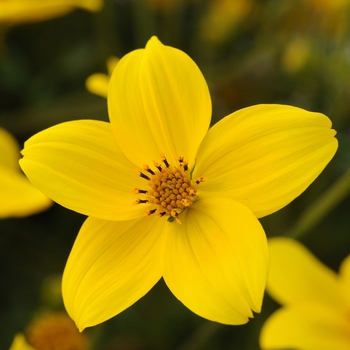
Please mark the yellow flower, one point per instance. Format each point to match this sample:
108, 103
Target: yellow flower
20, 11
189, 214
18, 197
316, 301
51, 331
20, 343
97, 83
222, 17
55, 331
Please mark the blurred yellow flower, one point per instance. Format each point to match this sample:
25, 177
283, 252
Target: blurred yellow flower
315, 300
98, 83
297, 53
20, 11
18, 197
55, 331
20, 343
222, 17
190, 217
328, 7
51, 331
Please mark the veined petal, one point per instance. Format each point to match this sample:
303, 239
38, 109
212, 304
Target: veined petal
296, 276
158, 101
264, 156
111, 266
79, 165
18, 197
216, 262
307, 327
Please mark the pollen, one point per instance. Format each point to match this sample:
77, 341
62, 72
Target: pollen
169, 189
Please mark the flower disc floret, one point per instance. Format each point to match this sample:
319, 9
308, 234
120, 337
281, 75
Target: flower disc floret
171, 189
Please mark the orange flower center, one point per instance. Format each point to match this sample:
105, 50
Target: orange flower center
171, 189
55, 331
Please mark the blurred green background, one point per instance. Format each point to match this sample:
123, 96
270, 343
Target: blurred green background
293, 52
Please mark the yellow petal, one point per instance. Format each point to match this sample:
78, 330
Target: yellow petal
111, 266
344, 279
216, 261
296, 276
18, 197
264, 156
97, 84
307, 327
79, 165
112, 62
20, 343
17, 11
158, 101
9, 149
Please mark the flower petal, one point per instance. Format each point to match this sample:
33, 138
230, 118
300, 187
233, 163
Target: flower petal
111, 266
9, 151
264, 156
216, 262
18, 196
13, 12
79, 165
344, 279
158, 101
306, 327
297, 276
20, 343
97, 84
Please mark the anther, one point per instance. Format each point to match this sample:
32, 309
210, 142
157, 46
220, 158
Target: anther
148, 169
137, 191
200, 179
141, 201
157, 165
150, 212
143, 175
164, 160
139, 173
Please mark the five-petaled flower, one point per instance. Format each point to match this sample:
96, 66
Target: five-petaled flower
316, 301
190, 213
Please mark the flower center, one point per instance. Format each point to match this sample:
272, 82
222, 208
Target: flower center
170, 189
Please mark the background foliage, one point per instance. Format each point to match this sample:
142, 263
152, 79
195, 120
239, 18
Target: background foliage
250, 51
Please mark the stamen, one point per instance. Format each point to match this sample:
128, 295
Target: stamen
139, 173
157, 165
148, 169
141, 201
200, 179
150, 212
171, 190
164, 160
137, 191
